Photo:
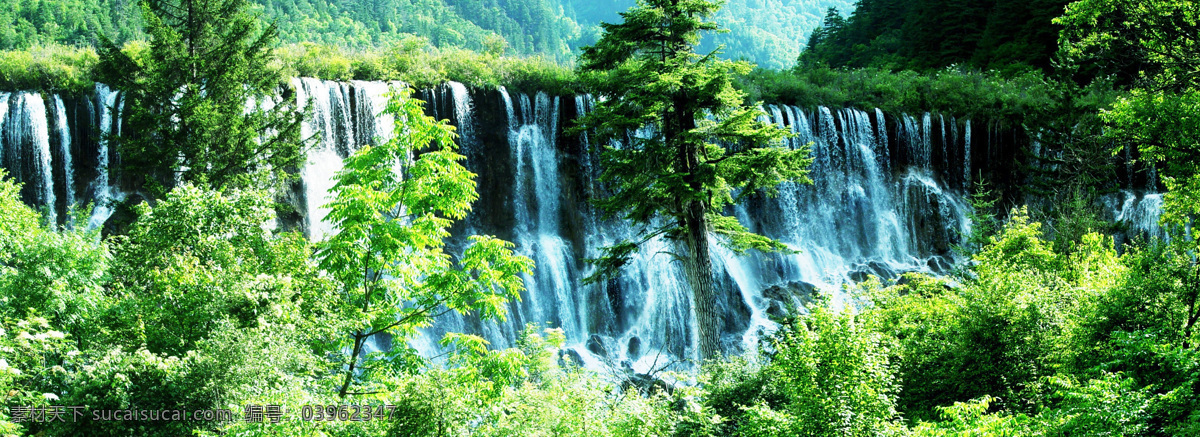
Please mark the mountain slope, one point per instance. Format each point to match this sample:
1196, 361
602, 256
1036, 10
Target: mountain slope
768, 32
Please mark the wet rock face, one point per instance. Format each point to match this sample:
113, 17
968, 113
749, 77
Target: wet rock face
595, 345
791, 296
929, 218
488, 156
733, 309
569, 357
634, 350
863, 271
645, 384
939, 265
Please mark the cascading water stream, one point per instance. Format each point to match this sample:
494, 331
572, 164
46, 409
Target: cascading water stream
64, 145
887, 197
105, 194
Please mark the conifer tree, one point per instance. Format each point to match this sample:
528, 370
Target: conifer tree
202, 104
699, 145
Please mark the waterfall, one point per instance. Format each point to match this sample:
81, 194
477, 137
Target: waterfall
26, 149
886, 198
967, 156
64, 146
105, 194
323, 160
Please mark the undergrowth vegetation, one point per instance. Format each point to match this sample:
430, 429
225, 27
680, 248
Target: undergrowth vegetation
412, 60
955, 90
1025, 341
48, 67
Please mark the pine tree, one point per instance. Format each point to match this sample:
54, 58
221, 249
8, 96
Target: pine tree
701, 145
202, 104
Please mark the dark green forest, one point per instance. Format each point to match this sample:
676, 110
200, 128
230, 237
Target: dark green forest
1048, 327
555, 29
1003, 35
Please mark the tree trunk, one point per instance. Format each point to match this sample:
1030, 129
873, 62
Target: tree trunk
360, 337
698, 271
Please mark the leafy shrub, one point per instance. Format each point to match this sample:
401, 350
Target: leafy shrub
48, 68
972, 418
32, 372
59, 275
413, 61
952, 91
199, 258
827, 374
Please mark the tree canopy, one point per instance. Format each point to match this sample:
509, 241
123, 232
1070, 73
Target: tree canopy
203, 100
393, 206
677, 142
929, 34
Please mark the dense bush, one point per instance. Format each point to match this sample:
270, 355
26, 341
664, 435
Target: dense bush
411, 60
418, 64
48, 67
952, 90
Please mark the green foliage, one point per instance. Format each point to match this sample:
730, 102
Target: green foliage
232, 368
1007, 35
1147, 44
1153, 46
25, 24
1168, 375
922, 314
392, 216
959, 91
836, 376
554, 29
1163, 126
702, 144
48, 67
1011, 318
983, 216
1020, 314
199, 105
415, 62
1109, 405
31, 371
526, 27
1073, 218
58, 275
199, 260
972, 418
769, 33
411, 60
1156, 293
825, 374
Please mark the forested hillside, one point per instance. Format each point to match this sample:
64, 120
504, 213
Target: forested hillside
525, 26
924, 34
769, 32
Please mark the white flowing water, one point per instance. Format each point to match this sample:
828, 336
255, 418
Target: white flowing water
64, 147
887, 197
105, 194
